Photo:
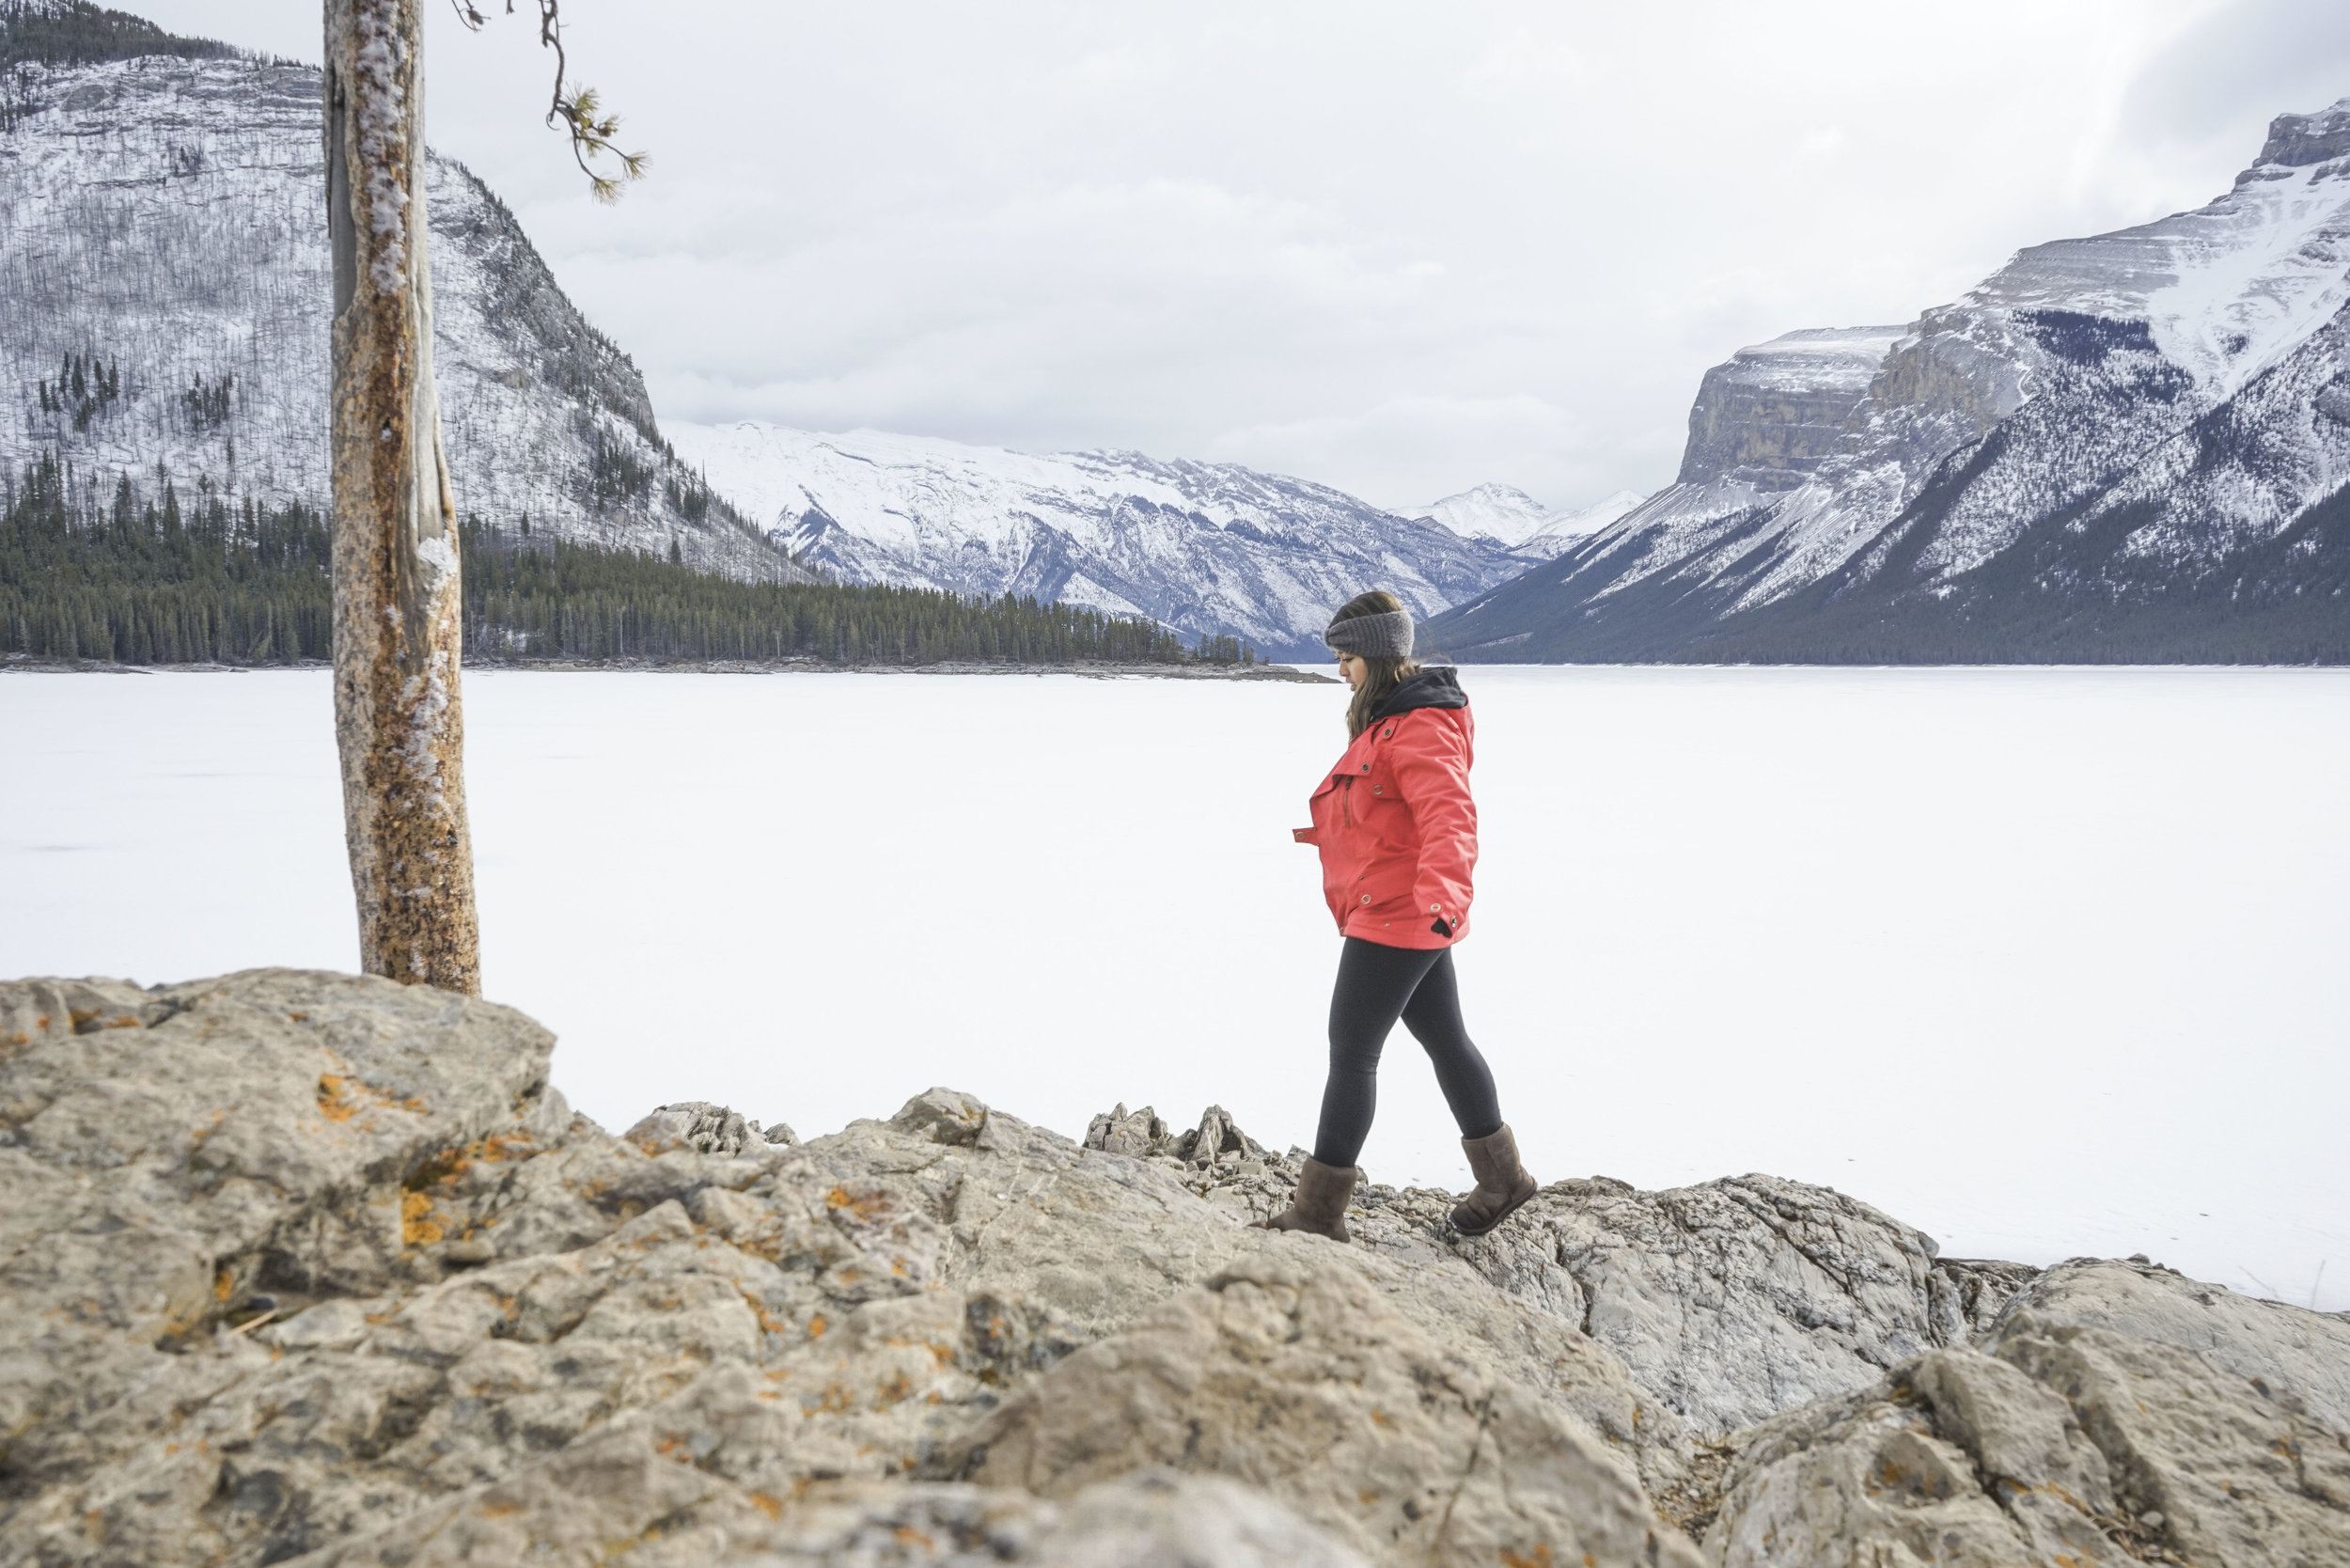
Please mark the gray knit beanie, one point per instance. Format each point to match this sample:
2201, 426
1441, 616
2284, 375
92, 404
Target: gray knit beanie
1373, 636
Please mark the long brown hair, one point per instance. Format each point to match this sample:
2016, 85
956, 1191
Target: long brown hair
1380, 675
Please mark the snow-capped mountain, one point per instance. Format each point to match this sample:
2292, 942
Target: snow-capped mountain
2126, 446
1498, 511
163, 264
1561, 529
1207, 548
1509, 517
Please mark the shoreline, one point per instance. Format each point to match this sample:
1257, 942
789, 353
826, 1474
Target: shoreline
1091, 669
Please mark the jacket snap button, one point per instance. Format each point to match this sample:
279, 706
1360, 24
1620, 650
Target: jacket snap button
1366, 898
1378, 789
1366, 767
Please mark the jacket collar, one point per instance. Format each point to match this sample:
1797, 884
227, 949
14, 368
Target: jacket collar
1437, 687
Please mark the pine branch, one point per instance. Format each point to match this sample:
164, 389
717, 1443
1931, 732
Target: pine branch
582, 113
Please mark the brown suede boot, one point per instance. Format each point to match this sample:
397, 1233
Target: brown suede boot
1320, 1207
1502, 1183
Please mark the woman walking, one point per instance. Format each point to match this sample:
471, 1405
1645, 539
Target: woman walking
1398, 835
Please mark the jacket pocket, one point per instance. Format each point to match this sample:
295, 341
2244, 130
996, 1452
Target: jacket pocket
1381, 889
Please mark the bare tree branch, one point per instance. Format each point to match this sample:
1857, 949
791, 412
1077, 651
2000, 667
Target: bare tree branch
591, 126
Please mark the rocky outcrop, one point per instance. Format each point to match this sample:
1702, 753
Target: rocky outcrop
1294, 1374
2063, 1446
313, 1267
1771, 414
2305, 1356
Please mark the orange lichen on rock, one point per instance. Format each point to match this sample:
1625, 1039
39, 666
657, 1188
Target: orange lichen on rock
343, 1097
419, 1226
335, 1102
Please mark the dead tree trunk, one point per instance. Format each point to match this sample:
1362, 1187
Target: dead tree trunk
398, 724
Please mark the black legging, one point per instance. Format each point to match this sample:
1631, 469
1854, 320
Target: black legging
1376, 986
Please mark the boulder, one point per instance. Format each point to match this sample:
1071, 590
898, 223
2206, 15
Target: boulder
704, 1128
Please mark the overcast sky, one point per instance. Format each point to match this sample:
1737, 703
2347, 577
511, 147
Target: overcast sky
1400, 248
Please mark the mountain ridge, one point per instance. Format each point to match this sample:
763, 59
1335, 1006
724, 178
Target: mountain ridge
1210, 549
2118, 447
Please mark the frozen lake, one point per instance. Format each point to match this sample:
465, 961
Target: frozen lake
2043, 962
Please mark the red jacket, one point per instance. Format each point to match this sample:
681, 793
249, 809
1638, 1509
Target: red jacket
1394, 821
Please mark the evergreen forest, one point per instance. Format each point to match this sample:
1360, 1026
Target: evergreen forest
74, 33
144, 575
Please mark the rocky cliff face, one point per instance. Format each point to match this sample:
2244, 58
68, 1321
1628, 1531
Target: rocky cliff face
163, 251
2126, 446
1775, 412
312, 1267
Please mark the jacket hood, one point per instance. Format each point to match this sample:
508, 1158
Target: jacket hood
1437, 687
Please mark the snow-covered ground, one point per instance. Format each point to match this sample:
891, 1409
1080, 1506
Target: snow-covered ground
2046, 961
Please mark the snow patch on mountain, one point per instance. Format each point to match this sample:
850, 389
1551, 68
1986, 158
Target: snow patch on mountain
1533, 532
1563, 528
1489, 512
1207, 548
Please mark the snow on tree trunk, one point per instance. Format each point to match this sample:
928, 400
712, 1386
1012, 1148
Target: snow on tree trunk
399, 723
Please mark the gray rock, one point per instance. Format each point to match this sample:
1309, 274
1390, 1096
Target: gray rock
303, 1266
311, 1264
942, 1115
1151, 1519
702, 1127
1122, 1131
1218, 1138
1966, 1296
1733, 1300
2289, 1350
1290, 1371
172, 1155
2068, 1445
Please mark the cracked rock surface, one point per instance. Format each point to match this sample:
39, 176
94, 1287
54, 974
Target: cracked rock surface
316, 1268
2055, 1445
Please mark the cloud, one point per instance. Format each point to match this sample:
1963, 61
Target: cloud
2226, 75
1397, 248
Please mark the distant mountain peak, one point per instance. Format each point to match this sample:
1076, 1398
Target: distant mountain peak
2296, 141
1498, 512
